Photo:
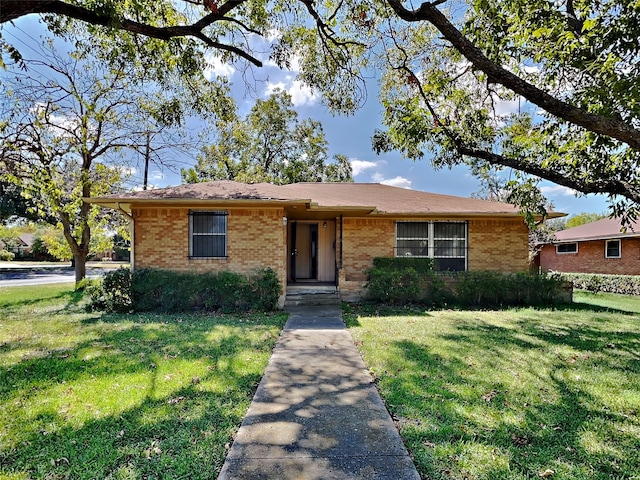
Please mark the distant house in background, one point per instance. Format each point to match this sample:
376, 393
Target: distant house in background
322, 233
596, 247
22, 247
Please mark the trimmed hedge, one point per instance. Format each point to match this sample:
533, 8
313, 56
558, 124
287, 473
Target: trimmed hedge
623, 284
399, 281
404, 280
420, 265
150, 290
495, 289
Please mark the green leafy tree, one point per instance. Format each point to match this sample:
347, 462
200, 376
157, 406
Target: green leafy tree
56, 244
270, 145
65, 128
448, 69
582, 219
547, 89
9, 238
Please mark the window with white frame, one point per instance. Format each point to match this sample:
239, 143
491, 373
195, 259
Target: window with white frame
567, 248
613, 249
207, 234
445, 242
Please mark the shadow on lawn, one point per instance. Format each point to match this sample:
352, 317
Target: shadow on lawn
459, 419
74, 297
179, 434
351, 313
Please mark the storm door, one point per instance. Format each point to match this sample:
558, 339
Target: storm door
304, 239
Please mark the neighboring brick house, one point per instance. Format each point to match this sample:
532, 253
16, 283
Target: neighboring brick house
317, 232
22, 245
596, 247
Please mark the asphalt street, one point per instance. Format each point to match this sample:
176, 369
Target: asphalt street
42, 276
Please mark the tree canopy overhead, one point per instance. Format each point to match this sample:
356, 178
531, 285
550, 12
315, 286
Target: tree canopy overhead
271, 144
550, 89
570, 71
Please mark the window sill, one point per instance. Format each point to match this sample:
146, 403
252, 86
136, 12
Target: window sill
208, 258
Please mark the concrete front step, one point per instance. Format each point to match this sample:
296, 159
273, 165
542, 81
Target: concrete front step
312, 296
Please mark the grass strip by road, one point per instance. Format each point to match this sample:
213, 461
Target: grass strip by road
86, 395
514, 394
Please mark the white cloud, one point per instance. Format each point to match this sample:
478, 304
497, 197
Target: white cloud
398, 182
126, 170
359, 166
507, 107
272, 87
217, 68
301, 94
559, 191
140, 187
294, 64
157, 175
533, 70
273, 35
393, 182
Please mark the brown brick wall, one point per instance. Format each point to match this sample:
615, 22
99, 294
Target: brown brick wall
499, 244
494, 244
255, 239
363, 240
591, 258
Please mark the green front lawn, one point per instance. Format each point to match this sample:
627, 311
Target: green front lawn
85, 395
514, 394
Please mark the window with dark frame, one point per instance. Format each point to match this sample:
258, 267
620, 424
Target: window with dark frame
612, 249
412, 239
208, 234
450, 246
567, 248
445, 242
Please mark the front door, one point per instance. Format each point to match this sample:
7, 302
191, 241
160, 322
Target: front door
312, 251
304, 238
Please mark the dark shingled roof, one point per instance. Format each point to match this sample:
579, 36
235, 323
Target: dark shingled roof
382, 198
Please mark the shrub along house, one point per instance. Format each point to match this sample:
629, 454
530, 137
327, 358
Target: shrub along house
317, 233
597, 247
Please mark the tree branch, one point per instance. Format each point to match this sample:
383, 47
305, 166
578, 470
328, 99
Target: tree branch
13, 9
607, 126
607, 186
592, 184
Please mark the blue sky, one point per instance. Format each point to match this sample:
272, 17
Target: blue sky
350, 136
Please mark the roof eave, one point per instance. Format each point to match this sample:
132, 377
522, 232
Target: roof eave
597, 237
435, 213
116, 203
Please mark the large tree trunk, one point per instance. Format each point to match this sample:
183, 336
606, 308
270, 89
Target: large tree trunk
80, 265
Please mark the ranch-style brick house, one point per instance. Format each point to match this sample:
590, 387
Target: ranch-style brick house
324, 233
597, 247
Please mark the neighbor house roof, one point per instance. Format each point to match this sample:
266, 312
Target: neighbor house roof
24, 240
372, 198
598, 230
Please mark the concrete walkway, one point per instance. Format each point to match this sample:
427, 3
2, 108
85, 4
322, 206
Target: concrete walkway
316, 413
